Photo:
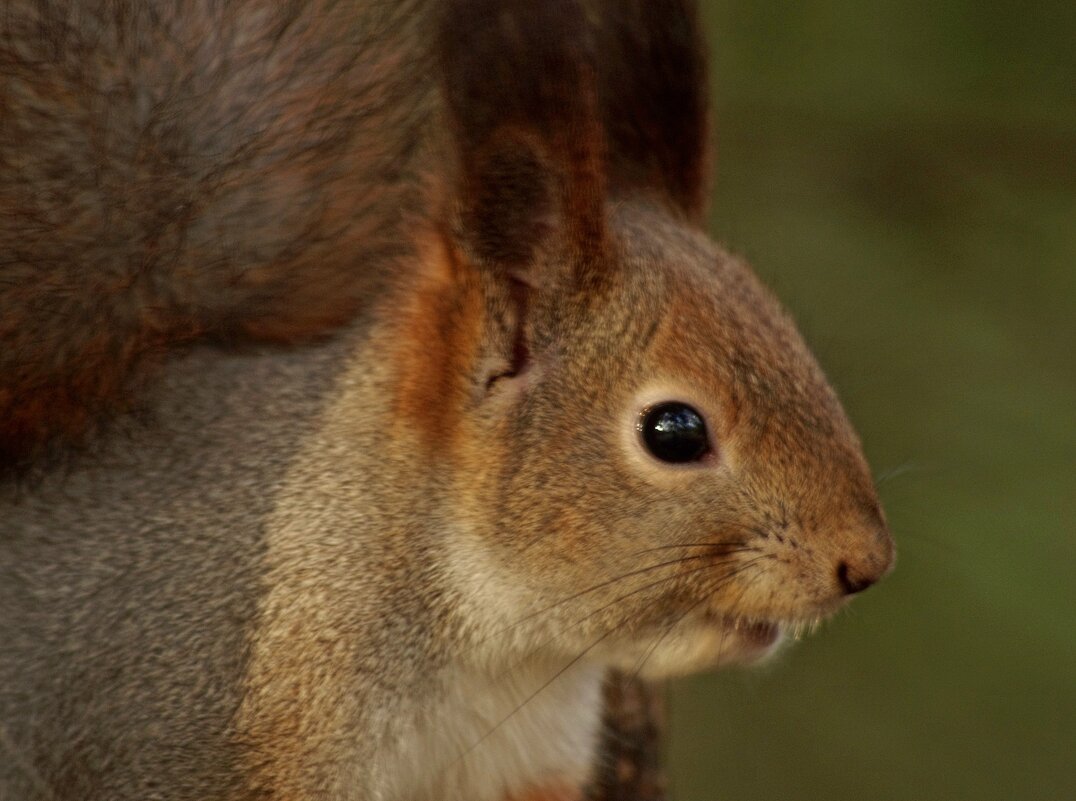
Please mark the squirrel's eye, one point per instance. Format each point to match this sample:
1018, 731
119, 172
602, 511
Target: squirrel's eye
675, 432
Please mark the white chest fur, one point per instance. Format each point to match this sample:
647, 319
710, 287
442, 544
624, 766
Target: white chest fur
487, 736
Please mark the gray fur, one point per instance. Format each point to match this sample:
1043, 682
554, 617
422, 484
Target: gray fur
129, 585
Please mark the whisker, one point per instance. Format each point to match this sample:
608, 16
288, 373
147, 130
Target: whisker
560, 672
711, 587
593, 588
617, 600
733, 613
661, 638
899, 470
725, 548
723, 523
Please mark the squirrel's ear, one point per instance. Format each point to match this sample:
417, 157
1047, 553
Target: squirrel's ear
521, 95
654, 98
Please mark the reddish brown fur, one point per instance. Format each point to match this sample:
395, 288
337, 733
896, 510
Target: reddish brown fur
173, 174
654, 95
431, 342
486, 47
246, 202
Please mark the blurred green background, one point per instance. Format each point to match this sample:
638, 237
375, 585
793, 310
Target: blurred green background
904, 175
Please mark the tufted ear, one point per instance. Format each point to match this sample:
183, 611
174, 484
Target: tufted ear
654, 98
521, 94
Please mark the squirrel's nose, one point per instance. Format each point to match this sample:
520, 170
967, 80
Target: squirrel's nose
856, 573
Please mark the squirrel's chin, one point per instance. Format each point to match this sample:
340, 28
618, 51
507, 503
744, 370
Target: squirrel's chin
704, 644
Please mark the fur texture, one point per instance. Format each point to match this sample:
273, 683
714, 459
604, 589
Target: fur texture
234, 171
395, 564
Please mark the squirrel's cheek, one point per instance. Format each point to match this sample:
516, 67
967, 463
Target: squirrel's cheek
431, 343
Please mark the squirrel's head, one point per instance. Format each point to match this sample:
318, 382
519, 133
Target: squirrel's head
642, 459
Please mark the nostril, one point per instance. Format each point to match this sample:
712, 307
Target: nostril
851, 580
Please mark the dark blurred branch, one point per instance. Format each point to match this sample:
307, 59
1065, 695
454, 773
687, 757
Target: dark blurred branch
629, 766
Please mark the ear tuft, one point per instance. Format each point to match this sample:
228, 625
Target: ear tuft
654, 98
521, 92
511, 206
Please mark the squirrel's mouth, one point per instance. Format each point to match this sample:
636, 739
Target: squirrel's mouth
758, 633
743, 640
708, 640
750, 639
757, 638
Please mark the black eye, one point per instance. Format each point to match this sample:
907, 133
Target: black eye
674, 432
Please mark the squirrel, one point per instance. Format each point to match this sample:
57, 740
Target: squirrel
369, 390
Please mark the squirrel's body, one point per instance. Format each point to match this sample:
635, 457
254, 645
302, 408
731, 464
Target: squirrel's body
140, 655
548, 429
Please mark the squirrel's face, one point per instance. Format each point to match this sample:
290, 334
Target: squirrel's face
658, 473
644, 463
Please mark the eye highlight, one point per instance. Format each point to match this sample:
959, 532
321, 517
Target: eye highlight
674, 432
